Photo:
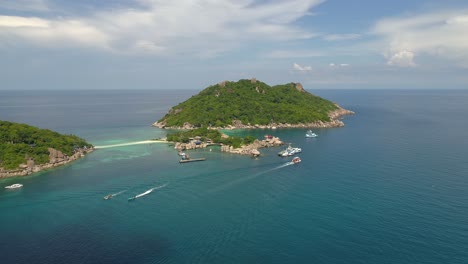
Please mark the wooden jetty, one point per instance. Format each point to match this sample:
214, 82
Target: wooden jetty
191, 160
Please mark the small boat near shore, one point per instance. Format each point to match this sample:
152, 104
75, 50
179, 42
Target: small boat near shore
310, 134
289, 151
14, 186
186, 158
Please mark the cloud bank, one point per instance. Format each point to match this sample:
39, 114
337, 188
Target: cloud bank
440, 34
202, 27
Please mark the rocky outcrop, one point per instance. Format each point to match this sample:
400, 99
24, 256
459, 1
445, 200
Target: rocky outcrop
56, 158
340, 112
252, 149
300, 88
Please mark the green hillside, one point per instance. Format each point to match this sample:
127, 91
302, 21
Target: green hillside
19, 142
251, 102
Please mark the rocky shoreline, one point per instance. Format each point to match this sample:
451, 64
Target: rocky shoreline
56, 158
237, 124
251, 149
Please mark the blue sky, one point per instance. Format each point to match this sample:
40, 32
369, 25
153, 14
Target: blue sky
190, 44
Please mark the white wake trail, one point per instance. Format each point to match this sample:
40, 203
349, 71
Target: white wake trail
115, 194
248, 178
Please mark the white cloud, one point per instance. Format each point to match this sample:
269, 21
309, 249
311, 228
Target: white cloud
169, 27
53, 32
441, 34
338, 37
16, 22
298, 67
402, 58
338, 65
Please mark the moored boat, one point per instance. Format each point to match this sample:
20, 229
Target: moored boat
310, 134
289, 151
186, 158
14, 186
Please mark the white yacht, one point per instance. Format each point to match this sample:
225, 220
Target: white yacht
310, 134
14, 186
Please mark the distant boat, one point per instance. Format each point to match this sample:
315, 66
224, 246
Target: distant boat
14, 186
107, 197
140, 195
310, 134
296, 160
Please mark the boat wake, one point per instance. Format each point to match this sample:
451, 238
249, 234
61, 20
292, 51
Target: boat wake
115, 194
147, 192
248, 178
284, 165
129, 144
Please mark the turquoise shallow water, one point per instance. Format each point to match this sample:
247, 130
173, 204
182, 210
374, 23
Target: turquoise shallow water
389, 187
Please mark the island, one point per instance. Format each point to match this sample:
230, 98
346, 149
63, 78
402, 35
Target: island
26, 149
253, 104
246, 104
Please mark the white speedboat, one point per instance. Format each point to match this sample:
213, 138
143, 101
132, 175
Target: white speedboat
14, 186
310, 134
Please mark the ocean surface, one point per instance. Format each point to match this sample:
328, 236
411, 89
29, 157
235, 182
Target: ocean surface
389, 187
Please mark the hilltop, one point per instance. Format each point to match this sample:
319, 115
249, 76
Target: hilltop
25, 149
253, 104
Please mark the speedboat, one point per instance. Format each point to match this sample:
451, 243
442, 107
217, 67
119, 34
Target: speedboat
296, 160
14, 186
107, 197
310, 134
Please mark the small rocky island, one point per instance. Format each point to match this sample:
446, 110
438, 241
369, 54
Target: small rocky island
253, 104
26, 149
247, 104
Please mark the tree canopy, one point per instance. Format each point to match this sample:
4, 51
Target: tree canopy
251, 102
209, 134
18, 142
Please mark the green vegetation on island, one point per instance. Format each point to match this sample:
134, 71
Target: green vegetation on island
20, 142
209, 135
251, 102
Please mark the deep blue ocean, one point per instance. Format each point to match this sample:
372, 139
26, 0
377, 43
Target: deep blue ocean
389, 187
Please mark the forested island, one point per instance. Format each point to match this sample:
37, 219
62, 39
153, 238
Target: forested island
25, 149
253, 104
246, 104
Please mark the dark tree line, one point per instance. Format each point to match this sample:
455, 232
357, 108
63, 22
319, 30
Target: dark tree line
18, 142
